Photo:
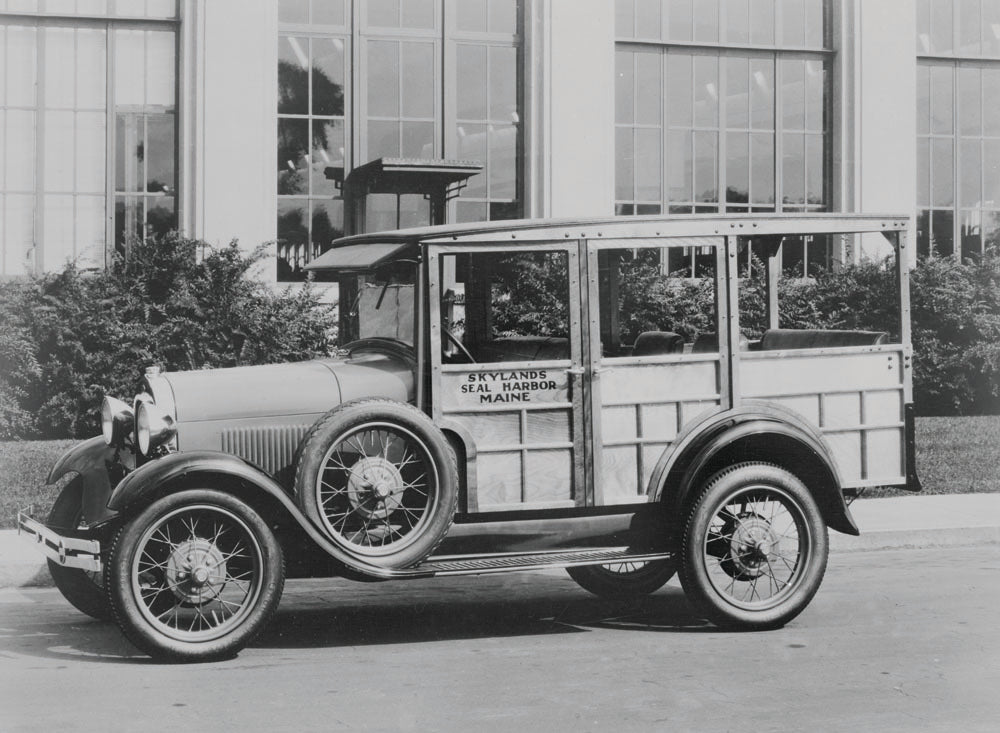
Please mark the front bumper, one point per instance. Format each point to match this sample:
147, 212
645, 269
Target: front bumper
71, 552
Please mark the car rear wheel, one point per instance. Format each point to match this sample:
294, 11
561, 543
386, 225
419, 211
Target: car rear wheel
624, 580
754, 549
195, 576
83, 589
380, 479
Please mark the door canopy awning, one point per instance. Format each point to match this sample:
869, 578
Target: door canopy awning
358, 257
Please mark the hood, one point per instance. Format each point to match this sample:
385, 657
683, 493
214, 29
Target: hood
285, 390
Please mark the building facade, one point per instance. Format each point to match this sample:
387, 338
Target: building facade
225, 118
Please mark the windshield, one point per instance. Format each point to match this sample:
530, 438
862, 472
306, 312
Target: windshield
379, 304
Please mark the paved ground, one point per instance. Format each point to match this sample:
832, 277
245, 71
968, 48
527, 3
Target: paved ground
898, 640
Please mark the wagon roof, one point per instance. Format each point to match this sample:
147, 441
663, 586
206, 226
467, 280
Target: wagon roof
528, 230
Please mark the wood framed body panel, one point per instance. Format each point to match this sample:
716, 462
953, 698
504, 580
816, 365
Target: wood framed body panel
855, 396
523, 417
641, 403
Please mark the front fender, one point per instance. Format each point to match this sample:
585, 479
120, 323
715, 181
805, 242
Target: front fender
756, 431
92, 459
170, 473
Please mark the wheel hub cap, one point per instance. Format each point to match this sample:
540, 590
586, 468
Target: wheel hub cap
753, 543
196, 571
375, 487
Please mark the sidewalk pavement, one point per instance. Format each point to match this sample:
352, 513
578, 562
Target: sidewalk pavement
894, 523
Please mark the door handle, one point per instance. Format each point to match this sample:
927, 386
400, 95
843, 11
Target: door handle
575, 371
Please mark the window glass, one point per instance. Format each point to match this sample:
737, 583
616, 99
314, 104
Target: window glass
506, 307
735, 119
651, 307
406, 108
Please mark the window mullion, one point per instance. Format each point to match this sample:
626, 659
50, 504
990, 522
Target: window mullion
111, 151
779, 147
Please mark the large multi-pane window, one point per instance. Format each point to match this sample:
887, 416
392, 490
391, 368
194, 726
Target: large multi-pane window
958, 126
723, 106
87, 129
392, 78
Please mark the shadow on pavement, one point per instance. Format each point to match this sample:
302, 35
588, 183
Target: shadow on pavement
472, 615
338, 613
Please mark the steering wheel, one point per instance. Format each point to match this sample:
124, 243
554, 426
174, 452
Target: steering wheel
455, 341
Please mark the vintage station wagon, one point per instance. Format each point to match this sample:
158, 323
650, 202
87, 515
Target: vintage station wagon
600, 395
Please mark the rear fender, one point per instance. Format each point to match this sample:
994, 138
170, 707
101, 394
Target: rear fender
754, 432
209, 469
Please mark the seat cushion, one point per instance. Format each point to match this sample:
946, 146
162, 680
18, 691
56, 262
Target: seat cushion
658, 342
775, 339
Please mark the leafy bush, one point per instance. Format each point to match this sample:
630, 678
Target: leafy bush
71, 337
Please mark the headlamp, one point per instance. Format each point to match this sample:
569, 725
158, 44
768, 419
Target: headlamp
153, 427
117, 421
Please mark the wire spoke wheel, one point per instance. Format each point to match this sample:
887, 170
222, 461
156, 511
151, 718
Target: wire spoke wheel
197, 573
377, 488
754, 548
623, 580
381, 480
194, 576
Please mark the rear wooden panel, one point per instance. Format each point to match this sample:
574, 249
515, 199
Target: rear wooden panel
854, 397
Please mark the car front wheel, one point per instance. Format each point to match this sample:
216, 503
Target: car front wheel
754, 547
195, 576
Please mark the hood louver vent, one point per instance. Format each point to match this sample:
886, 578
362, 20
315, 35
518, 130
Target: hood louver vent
272, 447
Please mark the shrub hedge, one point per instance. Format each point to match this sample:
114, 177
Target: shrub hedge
69, 338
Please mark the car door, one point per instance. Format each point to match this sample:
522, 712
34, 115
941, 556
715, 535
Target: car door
507, 371
655, 357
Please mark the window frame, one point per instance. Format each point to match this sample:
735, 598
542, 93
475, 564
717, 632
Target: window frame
722, 50
955, 60
109, 23
445, 36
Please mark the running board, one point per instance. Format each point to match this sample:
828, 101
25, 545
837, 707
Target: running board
513, 562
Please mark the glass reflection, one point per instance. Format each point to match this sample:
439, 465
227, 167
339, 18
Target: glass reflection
327, 152
383, 79
470, 71
293, 75
293, 156
503, 84
737, 168
503, 161
328, 76
942, 232
942, 161
970, 231
417, 82
383, 139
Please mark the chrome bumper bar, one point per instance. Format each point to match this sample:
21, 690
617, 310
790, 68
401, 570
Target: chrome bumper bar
71, 552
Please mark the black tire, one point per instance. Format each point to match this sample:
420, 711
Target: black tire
753, 523
380, 479
623, 581
194, 577
83, 589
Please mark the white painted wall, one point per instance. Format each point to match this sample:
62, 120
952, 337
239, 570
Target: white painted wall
880, 97
230, 127
579, 108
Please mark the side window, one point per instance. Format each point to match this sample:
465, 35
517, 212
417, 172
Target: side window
503, 307
833, 307
658, 300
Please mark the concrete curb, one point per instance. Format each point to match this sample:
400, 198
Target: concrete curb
907, 522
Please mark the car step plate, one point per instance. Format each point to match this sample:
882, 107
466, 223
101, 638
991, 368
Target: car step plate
510, 562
